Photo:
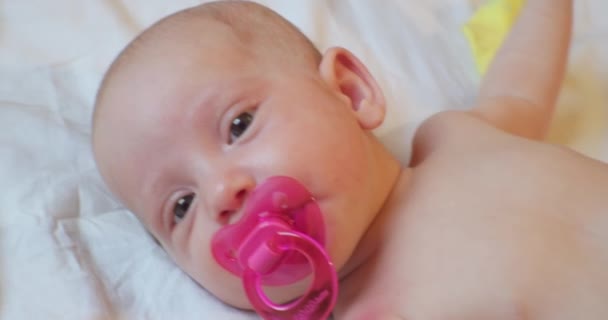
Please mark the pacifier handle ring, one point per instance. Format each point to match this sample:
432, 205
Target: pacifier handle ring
320, 298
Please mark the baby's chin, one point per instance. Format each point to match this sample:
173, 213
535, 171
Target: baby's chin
232, 292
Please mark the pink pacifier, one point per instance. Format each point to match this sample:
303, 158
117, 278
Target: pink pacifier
279, 241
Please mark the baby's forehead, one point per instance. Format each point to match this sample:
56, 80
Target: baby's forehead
169, 45
168, 64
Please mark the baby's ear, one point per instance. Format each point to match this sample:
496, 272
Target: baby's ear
344, 73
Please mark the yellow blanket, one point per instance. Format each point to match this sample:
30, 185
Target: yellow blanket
488, 27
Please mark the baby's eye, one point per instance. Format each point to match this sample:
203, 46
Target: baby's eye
239, 125
181, 207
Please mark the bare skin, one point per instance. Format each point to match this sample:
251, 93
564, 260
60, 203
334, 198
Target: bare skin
486, 223
493, 227
494, 224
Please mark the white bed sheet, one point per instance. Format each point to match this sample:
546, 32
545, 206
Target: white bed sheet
68, 250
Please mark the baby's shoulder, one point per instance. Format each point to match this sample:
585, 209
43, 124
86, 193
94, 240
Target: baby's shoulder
453, 128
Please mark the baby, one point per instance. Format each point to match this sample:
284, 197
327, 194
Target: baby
487, 222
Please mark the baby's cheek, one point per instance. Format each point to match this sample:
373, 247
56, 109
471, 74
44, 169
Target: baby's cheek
191, 251
223, 285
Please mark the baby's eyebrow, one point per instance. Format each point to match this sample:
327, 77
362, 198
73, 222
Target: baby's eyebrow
153, 201
152, 184
205, 104
156, 191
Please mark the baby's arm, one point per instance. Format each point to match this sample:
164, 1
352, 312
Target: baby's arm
519, 92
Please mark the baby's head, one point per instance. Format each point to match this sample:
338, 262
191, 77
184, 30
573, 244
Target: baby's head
208, 103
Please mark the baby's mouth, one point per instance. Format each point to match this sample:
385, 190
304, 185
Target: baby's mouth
279, 241
284, 201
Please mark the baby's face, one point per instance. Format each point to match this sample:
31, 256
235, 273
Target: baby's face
188, 133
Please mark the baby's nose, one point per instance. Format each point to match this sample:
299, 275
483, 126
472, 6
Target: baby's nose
230, 194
